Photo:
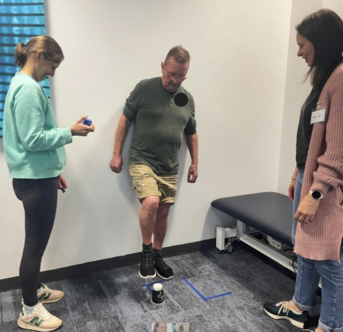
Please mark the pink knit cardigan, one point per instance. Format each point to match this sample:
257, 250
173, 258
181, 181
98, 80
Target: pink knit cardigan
322, 238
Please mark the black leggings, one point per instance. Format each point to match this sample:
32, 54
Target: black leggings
39, 199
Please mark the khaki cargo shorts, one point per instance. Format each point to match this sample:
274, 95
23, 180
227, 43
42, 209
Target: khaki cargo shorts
146, 183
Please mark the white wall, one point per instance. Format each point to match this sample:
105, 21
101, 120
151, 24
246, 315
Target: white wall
335, 5
296, 91
237, 76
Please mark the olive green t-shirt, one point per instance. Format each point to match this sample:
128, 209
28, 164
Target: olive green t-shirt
159, 125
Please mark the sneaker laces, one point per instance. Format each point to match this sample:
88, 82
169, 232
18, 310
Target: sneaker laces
147, 259
161, 263
284, 307
42, 312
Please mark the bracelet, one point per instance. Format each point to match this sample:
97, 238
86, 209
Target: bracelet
293, 178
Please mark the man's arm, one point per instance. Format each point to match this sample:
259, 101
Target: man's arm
122, 129
192, 143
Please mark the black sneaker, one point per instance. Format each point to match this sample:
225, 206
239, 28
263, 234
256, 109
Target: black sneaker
163, 270
147, 269
282, 310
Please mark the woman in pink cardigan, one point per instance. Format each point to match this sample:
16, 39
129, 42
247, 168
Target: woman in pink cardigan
317, 183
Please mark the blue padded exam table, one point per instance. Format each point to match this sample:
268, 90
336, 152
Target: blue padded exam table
269, 213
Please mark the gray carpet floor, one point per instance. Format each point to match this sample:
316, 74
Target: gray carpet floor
117, 300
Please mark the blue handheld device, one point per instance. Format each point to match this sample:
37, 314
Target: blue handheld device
87, 122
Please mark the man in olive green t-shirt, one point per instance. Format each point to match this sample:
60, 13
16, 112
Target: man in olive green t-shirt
163, 111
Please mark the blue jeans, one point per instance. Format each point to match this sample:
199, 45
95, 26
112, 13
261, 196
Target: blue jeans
297, 197
309, 273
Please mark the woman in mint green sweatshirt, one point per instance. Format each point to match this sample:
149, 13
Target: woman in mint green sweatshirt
35, 155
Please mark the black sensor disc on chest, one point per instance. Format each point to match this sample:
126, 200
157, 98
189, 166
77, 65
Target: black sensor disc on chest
181, 99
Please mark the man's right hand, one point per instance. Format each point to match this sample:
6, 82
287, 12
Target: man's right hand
116, 164
291, 190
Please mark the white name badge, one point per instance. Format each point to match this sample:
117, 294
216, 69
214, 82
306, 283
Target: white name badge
318, 116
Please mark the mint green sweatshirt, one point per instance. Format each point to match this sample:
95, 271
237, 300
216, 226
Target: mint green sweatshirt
34, 146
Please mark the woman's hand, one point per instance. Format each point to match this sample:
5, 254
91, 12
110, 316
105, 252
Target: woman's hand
307, 209
62, 184
291, 189
79, 129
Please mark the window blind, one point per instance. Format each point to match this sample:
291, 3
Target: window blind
19, 21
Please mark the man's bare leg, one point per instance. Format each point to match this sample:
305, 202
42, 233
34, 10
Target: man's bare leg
147, 218
161, 225
162, 269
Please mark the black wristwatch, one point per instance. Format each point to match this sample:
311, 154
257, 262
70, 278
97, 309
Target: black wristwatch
316, 194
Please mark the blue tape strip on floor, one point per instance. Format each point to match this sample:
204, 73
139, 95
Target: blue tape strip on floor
195, 290
220, 295
202, 296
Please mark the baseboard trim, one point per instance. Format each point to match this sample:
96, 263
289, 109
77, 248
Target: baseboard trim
107, 264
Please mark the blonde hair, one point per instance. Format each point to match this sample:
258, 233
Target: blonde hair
180, 54
50, 48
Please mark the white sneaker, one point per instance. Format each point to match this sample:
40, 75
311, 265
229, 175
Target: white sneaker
39, 320
47, 295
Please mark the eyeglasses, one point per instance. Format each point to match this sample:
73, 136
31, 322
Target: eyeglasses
177, 78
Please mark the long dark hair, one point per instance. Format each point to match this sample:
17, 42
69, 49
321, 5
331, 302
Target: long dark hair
324, 29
